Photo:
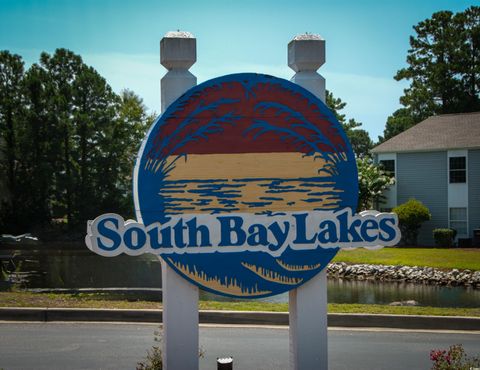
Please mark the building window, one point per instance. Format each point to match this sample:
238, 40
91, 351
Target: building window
458, 220
458, 170
388, 165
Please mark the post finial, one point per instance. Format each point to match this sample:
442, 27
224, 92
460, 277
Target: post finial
178, 50
306, 52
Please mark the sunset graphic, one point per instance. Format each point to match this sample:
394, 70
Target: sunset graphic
221, 183
245, 143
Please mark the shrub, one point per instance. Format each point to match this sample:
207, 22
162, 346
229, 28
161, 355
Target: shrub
453, 359
411, 215
154, 360
444, 237
372, 182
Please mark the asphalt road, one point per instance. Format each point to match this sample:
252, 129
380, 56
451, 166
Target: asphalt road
120, 346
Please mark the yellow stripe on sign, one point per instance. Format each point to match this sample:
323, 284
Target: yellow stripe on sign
245, 165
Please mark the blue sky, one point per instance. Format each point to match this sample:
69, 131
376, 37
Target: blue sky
367, 41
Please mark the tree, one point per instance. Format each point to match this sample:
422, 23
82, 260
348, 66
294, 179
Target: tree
469, 60
68, 142
123, 144
400, 121
432, 63
11, 102
95, 110
443, 69
62, 69
372, 182
411, 215
360, 141
99, 135
359, 138
11, 77
38, 142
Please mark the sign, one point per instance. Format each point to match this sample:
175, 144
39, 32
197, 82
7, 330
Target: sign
246, 186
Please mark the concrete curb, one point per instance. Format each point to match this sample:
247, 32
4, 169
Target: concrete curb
241, 318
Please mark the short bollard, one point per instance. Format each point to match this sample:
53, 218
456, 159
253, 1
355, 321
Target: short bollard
225, 363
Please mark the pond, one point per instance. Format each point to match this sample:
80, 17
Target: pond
83, 269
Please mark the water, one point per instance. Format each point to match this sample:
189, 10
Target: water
371, 292
257, 195
84, 269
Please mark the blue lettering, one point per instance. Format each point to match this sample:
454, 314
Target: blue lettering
328, 233
109, 234
136, 242
178, 234
166, 241
231, 225
279, 234
193, 231
366, 227
347, 230
301, 237
388, 229
258, 235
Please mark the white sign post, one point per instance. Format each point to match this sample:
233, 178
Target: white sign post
178, 52
308, 303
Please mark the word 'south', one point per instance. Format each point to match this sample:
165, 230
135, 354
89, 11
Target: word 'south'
109, 234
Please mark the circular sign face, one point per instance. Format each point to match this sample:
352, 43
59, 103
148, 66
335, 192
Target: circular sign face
246, 144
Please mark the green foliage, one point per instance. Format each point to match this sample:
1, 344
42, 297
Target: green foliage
411, 215
372, 182
361, 142
359, 138
454, 358
443, 69
124, 141
400, 121
444, 237
70, 142
11, 102
154, 360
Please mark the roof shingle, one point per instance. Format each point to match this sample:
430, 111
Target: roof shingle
447, 131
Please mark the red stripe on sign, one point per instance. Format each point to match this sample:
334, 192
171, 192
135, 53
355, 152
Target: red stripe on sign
285, 115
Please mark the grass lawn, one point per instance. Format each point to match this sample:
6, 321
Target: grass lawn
25, 299
433, 257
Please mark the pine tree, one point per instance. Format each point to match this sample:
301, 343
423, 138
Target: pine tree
11, 78
443, 69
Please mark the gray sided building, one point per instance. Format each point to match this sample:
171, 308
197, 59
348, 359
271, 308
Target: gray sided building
437, 162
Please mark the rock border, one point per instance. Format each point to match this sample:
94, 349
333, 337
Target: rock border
408, 274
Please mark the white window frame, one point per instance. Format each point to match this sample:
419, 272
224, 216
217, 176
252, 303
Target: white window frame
458, 196
466, 168
465, 221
